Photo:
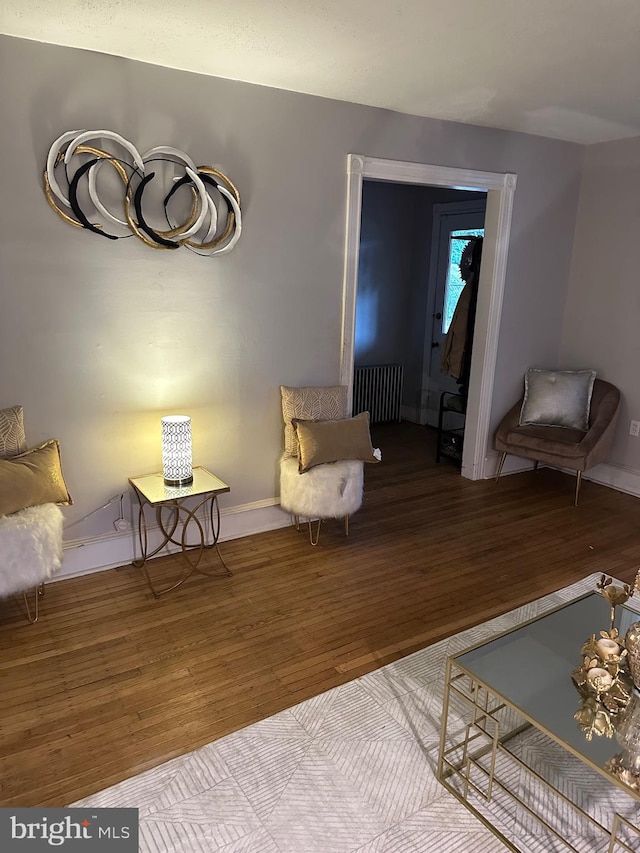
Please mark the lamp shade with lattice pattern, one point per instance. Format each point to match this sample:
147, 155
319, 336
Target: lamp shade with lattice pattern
176, 450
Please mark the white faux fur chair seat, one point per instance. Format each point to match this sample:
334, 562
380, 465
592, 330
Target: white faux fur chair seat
30, 551
332, 490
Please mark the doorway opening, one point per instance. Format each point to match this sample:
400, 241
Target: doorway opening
411, 242
499, 189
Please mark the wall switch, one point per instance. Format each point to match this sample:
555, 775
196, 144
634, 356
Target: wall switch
121, 524
634, 429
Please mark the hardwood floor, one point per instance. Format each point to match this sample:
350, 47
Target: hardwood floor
111, 682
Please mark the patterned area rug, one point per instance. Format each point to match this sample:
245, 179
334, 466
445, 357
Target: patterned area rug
353, 771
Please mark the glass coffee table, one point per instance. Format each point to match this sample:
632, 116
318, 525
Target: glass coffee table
519, 686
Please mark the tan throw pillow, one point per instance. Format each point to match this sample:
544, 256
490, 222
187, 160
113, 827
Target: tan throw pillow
333, 441
12, 438
33, 478
559, 398
313, 403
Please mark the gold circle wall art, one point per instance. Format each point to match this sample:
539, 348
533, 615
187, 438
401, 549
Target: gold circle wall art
159, 196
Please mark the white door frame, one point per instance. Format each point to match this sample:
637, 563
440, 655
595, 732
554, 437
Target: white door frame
500, 189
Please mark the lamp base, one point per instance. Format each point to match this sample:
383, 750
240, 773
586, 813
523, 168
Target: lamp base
186, 481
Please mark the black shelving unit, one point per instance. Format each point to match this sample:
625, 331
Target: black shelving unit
451, 420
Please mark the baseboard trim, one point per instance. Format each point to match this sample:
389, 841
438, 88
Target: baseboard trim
95, 554
618, 477
413, 414
512, 465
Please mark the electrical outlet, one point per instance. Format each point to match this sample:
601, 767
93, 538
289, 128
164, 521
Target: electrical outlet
634, 429
121, 524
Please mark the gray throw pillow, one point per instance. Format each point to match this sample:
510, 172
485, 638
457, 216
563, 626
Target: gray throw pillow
560, 398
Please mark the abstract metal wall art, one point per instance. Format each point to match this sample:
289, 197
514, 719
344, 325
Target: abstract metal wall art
208, 209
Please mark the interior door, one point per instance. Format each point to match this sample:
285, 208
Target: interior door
453, 229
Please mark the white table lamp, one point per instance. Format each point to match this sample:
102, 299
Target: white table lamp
176, 450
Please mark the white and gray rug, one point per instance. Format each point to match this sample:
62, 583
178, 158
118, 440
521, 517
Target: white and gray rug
351, 771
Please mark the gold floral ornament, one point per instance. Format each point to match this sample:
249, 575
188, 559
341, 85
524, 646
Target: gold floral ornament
603, 682
616, 766
616, 595
594, 718
604, 671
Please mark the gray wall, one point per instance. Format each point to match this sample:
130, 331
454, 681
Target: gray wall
100, 339
602, 318
385, 272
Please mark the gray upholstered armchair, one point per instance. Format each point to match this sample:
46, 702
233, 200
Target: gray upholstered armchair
559, 446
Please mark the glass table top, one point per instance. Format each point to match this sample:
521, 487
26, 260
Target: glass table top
530, 667
153, 488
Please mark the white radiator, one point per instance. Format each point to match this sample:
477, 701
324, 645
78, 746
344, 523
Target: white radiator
378, 390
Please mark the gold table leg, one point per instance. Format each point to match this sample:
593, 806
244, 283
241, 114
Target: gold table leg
462, 752
193, 552
32, 615
616, 842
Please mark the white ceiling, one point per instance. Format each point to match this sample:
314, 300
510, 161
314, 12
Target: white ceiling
568, 69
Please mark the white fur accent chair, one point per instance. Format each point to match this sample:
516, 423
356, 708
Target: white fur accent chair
330, 490
333, 490
30, 552
32, 487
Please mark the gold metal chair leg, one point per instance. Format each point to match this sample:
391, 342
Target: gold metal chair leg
578, 484
314, 539
346, 525
500, 464
37, 592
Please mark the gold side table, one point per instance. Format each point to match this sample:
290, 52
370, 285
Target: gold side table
174, 519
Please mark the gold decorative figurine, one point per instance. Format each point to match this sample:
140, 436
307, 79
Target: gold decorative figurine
632, 642
604, 681
616, 595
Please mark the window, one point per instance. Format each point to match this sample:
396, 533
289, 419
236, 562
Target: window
458, 241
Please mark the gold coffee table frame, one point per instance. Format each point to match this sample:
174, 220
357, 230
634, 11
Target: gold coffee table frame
151, 491
468, 757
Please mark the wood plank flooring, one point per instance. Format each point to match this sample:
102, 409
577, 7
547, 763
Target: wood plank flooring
111, 682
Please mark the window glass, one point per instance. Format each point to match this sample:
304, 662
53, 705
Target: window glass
458, 240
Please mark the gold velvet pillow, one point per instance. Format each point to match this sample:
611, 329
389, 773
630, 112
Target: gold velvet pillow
33, 478
311, 403
331, 441
12, 438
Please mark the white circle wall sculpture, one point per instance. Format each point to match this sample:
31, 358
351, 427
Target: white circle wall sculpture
161, 197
